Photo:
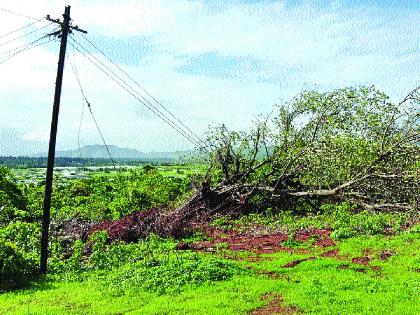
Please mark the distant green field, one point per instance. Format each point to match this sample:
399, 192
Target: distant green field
67, 173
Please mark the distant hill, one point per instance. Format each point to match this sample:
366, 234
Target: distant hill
97, 151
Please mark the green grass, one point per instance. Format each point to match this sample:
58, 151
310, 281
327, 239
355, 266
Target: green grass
320, 287
316, 286
38, 174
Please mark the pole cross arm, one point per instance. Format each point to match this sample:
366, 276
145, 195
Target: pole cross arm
59, 22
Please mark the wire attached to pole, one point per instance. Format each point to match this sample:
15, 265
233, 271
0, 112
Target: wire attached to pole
24, 35
27, 47
21, 28
76, 74
143, 89
18, 14
121, 82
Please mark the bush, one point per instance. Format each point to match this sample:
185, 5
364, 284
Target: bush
12, 199
24, 235
15, 270
102, 198
171, 274
347, 223
153, 265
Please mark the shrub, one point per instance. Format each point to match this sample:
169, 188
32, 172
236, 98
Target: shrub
15, 270
171, 274
24, 235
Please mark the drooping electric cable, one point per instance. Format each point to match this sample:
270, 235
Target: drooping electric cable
121, 82
83, 107
134, 93
142, 88
76, 74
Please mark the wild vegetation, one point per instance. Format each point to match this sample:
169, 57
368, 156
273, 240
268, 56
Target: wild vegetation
313, 210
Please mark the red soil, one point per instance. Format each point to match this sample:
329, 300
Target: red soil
297, 262
131, 227
322, 237
275, 306
385, 254
260, 244
331, 253
324, 242
364, 260
307, 234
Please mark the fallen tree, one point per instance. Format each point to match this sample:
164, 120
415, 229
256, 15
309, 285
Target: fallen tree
351, 145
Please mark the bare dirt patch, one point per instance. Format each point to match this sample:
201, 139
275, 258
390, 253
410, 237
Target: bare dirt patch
322, 236
275, 306
331, 253
385, 254
296, 262
260, 244
264, 244
364, 260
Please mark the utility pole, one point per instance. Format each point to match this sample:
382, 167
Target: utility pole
66, 29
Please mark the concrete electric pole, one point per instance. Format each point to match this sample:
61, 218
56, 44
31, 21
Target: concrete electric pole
63, 33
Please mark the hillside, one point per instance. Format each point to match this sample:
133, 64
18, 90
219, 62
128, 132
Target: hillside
97, 151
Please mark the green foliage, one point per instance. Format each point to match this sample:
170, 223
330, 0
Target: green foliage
15, 269
12, 200
344, 219
171, 273
98, 256
319, 286
351, 143
26, 236
103, 198
153, 265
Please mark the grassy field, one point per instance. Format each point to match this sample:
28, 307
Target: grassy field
332, 260
31, 175
339, 282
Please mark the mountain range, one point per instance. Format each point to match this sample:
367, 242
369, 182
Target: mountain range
97, 151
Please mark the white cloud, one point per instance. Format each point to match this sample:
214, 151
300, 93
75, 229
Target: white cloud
298, 47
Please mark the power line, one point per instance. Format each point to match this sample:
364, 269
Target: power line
24, 35
100, 133
143, 100
83, 107
22, 46
21, 28
18, 14
76, 74
142, 88
130, 90
29, 46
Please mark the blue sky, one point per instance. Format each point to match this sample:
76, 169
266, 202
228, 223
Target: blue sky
208, 61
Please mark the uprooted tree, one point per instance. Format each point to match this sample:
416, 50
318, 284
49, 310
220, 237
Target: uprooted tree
350, 144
